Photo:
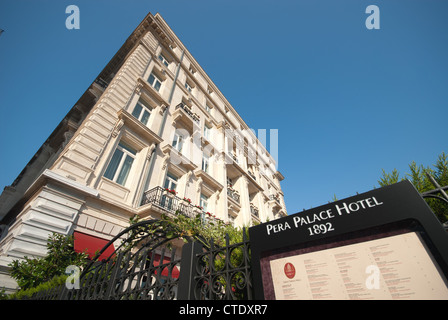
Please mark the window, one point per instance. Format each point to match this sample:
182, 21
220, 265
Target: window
206, 163
170, 182
155, 81
178, 142
207, 107
188, 87
142, 112
207, 132
203, 202
163, 60
120, 164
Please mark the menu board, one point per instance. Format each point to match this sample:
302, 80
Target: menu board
394, 267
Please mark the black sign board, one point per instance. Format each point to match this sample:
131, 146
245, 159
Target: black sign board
385, 243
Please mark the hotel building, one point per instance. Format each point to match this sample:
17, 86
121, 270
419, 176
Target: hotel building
152, 120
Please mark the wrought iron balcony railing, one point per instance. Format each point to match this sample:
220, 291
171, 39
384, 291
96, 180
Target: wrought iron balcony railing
274, 197
188, 111
252, 175
168, 201
254, 210
233, 194
101, 83
234, 157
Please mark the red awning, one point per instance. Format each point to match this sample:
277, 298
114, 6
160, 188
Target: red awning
91, 244
165, 272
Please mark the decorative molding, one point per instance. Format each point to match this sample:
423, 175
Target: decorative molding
211, 182
189, 175
117, 128
134, 125
68, 182
138, 88
165, 161
155, 95
162, 108
150, 150
199, 184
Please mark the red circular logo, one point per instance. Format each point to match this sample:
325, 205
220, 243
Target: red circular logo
290, 271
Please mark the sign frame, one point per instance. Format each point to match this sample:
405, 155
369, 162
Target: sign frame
389, 210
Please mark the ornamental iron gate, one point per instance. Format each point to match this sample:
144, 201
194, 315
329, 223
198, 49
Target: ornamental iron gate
147, 266
217, 273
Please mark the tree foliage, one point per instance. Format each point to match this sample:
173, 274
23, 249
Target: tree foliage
31, 272
34, 274
198, 228
418, 175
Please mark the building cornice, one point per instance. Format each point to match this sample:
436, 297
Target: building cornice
49, 175
131, 122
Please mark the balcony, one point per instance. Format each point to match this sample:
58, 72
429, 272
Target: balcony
233, 194
168, 202
183, 113
97, 88
234, 157
188, 111
251, 175
275, 200
103, 84
254, 210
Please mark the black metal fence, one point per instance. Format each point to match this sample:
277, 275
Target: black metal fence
140, 276
128, 277
218, 273
146, 266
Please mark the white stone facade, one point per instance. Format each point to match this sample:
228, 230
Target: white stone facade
152, 119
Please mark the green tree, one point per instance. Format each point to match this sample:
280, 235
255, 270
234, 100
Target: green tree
389, 178
31, 272
418, 176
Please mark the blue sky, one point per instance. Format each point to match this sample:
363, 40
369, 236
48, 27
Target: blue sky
347, 101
